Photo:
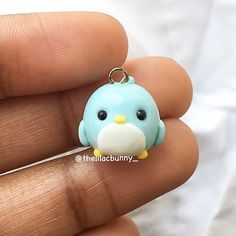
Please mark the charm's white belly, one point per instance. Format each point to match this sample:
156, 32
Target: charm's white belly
121, 139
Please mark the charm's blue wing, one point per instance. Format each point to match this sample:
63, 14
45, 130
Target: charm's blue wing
82, 134
160, 133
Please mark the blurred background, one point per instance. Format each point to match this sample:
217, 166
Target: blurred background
201, 36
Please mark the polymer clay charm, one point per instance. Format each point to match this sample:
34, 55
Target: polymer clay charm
121, 119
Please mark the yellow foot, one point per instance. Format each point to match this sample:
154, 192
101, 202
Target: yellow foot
97, 153
142, 155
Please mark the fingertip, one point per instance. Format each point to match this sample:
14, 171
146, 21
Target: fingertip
167, 81
120, 38
183, 81
191, 151
123, 226
184, 142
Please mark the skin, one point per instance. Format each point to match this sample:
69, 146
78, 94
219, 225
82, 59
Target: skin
50, 63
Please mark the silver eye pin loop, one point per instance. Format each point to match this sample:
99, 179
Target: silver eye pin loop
123, 80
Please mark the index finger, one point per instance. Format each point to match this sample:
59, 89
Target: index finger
48, 52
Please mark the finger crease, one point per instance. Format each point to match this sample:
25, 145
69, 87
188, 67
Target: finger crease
77, 195
3, 85
108, 192
68, 117
75, 200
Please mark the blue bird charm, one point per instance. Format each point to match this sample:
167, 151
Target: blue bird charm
121, 119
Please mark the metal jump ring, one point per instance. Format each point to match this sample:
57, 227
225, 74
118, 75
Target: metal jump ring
124, 79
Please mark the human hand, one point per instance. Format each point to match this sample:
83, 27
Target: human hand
50, 63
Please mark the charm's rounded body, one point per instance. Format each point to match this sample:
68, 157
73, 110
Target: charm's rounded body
121, 119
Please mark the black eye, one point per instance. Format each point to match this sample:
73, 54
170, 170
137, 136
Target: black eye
141, 114
102, 115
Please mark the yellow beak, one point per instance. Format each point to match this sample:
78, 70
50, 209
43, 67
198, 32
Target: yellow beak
120, 119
